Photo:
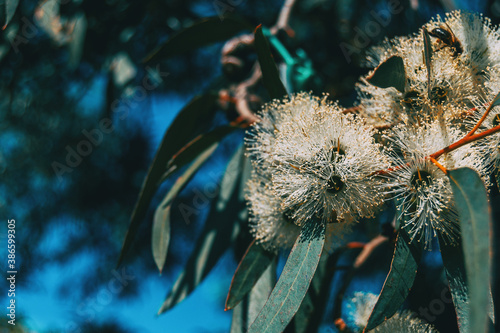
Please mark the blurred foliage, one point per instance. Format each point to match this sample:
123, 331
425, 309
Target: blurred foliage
67, 65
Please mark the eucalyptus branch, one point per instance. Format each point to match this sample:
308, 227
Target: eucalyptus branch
230, 60
464, 141
368, 250
353, 109
492, 104
441, 167
242, 94
284, 18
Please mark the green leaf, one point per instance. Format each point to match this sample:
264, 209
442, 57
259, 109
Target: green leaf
253, 264
496, 100
471, 201
454, 266
7, 11
309, 316
428, 59
220, 231
247, 310
179, 132
161, 221
187, 153
390, 73
399, 281
270, 74
77, 40
293, 283
203, 32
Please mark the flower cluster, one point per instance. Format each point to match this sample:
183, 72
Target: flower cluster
465, 53
444, 96
360, 307
423, 191
314, 162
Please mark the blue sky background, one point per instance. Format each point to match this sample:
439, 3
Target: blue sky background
45, 310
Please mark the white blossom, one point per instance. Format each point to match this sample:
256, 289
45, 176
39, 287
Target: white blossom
269, 224
488, 148
476, 38
320, 160
359, 308
261, 136
361, 305
322, 166
404, 322
272, 227
423, 191
455, 82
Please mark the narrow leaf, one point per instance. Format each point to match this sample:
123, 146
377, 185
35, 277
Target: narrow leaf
204, 32
253, 264
293, 283
179, 132
247, 310
8, 11
390, 73
77, 40
471, 201
187, 153
454, 266
399, 281
161, 221
219, 232
270, 74
428, 59
309, 316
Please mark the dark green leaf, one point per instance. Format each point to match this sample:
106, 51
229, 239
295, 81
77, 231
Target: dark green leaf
204, 32
179, 132
293, 283
496, 100
270, 74
454, 266
471, 201
400, 212
255, 261
221, 229
7, 11
187, 153
161, 221
428, 59
399, 281
77, 40
390, 73
309, 316
247, 310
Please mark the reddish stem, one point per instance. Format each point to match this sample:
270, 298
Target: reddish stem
467, 139
436, 163
480, 120
433, 157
